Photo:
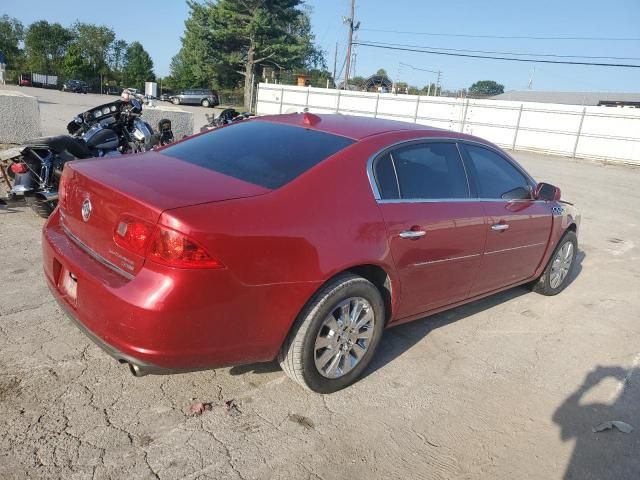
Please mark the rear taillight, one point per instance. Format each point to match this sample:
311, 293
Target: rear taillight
19, 168
62, 194
172, 248
162, 245
133, 234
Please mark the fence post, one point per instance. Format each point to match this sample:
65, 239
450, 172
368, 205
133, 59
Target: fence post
281, 97
464, 114
575, 146
515, 135
375, 112
306, 103
338, 102
415, 114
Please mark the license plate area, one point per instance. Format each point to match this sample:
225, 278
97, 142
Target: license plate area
68, 285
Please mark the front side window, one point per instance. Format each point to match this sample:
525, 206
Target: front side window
496, 177
422, 171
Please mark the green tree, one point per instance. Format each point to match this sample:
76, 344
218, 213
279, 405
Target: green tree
486, 88
116, 55
138, 66
74, 65
196, 63
11, 34
382, 72
95, 44
46, 45
229, 41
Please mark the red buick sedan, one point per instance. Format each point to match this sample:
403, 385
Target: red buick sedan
298, 237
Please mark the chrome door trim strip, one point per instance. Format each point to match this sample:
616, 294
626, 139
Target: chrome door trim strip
515, 248
96, 256
431, 262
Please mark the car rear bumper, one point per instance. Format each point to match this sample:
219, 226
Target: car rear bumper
169, 320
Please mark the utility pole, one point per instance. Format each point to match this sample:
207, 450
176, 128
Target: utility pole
532, 72
352, 28
335, 65
438, 84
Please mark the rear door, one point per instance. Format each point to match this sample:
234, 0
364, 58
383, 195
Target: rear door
517, 226
436, 229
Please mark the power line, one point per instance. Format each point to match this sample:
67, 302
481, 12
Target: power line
526, 60
518, 54
504, 37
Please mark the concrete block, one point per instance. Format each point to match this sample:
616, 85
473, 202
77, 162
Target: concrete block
19, 117
181, 121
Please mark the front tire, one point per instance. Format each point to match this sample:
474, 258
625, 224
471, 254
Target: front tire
205, 103
335, 336
175, 101
557, 273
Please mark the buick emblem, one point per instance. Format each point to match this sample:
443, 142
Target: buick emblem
86, 210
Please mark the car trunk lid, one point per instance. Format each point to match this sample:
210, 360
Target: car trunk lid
99, 192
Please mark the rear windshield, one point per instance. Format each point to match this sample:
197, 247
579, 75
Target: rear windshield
264, 153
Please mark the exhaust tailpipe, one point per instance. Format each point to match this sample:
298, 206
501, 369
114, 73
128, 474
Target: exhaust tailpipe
47, 196
136, 371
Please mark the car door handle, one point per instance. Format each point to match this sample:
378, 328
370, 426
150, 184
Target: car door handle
499, 227
412, 234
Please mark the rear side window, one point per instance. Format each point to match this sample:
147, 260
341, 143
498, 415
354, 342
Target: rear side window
422, 171
264, 153
496, 177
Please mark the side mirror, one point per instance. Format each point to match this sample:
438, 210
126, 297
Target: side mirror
547, 192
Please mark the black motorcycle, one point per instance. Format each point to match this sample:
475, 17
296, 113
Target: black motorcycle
111, 129
225, 117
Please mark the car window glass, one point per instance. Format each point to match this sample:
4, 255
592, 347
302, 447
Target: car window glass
497, 177
430, 171
385, 176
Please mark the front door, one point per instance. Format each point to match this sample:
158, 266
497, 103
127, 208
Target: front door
436, 230
517, 226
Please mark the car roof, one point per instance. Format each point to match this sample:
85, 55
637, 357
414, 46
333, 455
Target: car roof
350, 126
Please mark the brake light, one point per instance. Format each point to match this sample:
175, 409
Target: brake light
175, 249
62, 194
19, 168
133, 234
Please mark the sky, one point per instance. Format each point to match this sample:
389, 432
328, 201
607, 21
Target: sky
158, 25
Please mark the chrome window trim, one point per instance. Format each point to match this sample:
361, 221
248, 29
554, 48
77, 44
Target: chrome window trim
96, 256
443, 200
457, 141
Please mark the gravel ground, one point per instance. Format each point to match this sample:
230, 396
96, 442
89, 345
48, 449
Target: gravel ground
507, 387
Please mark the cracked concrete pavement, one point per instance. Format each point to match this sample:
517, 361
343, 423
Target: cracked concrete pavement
506, 387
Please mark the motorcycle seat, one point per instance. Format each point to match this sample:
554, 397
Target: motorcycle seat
60, 143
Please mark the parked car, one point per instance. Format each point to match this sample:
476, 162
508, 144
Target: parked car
196, 96
111, 90
166, 96
298, 237
75, 86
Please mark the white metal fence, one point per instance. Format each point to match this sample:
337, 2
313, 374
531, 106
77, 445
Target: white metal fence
586, 132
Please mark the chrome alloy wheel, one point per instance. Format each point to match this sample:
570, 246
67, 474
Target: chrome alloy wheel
561, 265
344, 337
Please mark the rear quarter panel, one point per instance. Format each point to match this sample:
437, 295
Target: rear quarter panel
294, 239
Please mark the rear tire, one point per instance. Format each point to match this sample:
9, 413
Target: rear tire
557, 273
324, 369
